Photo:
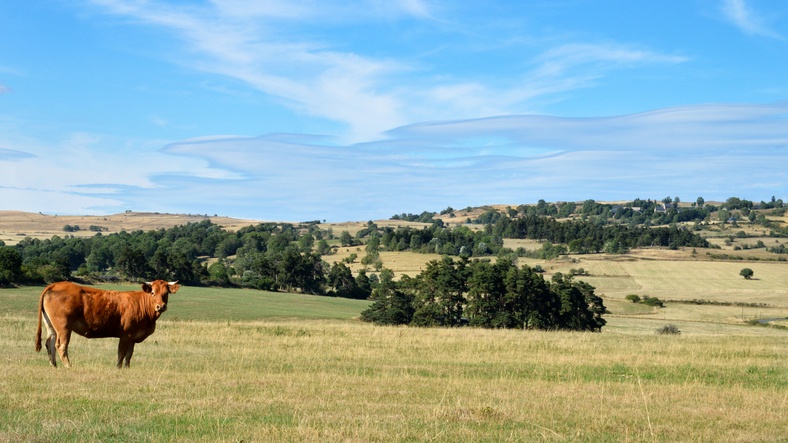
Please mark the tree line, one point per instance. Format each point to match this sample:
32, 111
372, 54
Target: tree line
276, 256
282, 256
641, 212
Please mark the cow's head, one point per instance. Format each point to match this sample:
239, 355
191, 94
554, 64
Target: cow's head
160, 290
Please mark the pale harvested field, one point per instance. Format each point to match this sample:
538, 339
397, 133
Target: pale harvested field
402, 263
528, 244
691, 319
684, 280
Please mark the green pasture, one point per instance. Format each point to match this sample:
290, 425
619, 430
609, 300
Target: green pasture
213, 304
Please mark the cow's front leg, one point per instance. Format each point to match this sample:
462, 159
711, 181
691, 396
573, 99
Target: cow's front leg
125, 350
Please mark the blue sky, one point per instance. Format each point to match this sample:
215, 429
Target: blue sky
282, 110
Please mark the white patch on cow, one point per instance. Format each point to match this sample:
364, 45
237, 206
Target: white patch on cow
51, 339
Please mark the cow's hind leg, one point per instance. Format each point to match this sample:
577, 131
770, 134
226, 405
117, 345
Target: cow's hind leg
51, 340
63, 337
125, 351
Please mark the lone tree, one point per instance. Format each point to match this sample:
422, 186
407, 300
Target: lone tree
747, 273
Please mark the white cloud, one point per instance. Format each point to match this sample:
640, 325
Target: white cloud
314, 74
741, 15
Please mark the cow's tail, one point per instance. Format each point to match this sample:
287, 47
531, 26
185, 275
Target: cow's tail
40, 317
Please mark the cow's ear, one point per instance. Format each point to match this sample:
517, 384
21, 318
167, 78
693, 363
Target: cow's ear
146, 287
174, 287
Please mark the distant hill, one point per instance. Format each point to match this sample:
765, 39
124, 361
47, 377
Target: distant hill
16, 225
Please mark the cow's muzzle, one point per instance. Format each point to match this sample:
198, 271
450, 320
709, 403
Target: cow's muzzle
161, 308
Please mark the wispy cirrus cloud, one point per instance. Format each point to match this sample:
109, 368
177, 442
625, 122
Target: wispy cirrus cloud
266, 46
744, 17
257, 46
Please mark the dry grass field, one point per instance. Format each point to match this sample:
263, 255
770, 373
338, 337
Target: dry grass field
317, 380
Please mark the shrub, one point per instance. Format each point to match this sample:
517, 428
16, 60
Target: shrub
747, 273
69, 228
668, 330
652, 301
634, 298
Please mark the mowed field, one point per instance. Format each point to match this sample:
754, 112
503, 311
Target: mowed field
686, 279
234, 365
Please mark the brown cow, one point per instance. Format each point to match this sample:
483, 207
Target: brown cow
95, 313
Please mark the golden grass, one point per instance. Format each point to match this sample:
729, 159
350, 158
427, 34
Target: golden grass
696, 320
346, 381
402, 263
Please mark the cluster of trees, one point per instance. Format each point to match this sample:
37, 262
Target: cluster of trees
480, 293
436, 239
587, 236
286, 257
779, 249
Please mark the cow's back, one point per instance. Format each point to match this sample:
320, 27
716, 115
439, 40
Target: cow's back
90, 312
